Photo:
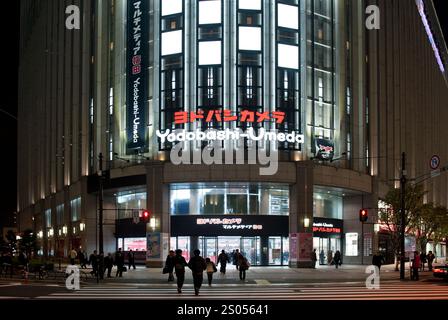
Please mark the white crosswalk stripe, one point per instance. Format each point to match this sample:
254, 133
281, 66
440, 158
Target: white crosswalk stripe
397, 291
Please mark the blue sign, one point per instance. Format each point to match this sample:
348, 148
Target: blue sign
137, 62
435, 162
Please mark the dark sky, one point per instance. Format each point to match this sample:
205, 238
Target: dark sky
9, 24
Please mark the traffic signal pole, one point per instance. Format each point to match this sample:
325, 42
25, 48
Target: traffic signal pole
402, 213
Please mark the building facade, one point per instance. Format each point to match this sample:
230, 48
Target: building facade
358, 97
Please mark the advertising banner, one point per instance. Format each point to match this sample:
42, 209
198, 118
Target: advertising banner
137, 77
153, 241
324, 149
293, 247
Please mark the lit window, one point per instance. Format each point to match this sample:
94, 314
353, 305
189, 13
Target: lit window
288, 16
209, 52
209, 12
250, 38
171, 42
250, 4
171, 7
288, 56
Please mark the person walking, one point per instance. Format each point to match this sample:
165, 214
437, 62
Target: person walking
322, 257
101, 264
179, 268
329, 257
73, 254
93, 261
314, 258
415, 266
337, 258
197, 265
223, 258
422, 261
119, 261
377, 260
244, 265
108, 264
82, 259
236, 258
211, 268
131, 259
430, 257
169, 265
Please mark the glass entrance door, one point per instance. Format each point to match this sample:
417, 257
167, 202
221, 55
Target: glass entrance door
249, 248
210, 248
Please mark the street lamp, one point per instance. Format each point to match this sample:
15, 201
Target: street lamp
306, 222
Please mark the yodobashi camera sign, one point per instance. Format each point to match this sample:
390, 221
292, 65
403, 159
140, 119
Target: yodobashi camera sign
260, 144
137, 76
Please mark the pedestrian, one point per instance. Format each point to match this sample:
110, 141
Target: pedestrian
322, 257
430, 257
377, 260
337, 258
314, 258
131, 259
236, 257
179, 269
108, 264
243, 266
197, 265
223, 258
330, 257
211, 268
169, 265
101, 268
422, 261
82, 258
93, 261
415, 266
119, 262
73, 254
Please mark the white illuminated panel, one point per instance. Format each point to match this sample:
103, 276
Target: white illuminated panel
171, 7
209, 12
249, 38
209, 52
250, 4
288, 16
288, 56
171, 42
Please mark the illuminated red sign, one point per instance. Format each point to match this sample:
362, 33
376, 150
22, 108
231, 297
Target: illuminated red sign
183, 117
326, 230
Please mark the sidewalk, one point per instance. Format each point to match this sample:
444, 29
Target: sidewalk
268, 275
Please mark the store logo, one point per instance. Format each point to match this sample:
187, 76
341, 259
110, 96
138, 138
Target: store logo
72, 281
73, 21
373, 20
373, 280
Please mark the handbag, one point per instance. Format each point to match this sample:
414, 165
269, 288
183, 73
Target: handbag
124, 269
165, 270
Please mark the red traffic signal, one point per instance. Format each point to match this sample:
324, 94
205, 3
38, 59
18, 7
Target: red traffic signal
145, 216
363, 215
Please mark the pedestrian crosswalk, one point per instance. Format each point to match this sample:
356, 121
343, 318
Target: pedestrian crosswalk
390, 291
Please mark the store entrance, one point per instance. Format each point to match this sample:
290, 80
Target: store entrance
248, 246
326, 248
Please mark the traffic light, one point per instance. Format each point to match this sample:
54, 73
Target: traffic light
145, 216
363, 215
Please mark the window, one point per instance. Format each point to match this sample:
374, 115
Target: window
288, 56
288, 16
351, 244
126, 201
209, 12
327, 205
48, 218
171, 7
209, 52
76, 209
171, 42
249, 38
60, 214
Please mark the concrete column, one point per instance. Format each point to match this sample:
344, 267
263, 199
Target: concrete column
264, 202
300, 208
158, 206
264, 251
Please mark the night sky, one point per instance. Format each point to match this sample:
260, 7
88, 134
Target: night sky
9, 29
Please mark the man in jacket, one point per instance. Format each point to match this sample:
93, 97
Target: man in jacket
119, 261
108, 264
223, 258
179, 267
131, 259
197, 265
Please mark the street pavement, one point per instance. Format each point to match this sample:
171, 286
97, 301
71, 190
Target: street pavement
271, 283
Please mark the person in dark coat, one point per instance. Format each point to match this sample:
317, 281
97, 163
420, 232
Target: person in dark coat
314, 258
377, 260
93, 261
101, 268
197, 265
131, 259
422, 261
223, 258
179, 269
243, 264
169, 265
236, 258
337, 259
430, 257
119, 261
82, 260
322, 257
108, 264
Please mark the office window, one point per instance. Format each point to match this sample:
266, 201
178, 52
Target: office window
249, 38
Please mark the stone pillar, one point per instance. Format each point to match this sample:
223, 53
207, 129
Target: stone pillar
301, 208
264, 251
158, 235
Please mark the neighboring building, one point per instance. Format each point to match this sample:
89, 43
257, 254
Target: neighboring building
360, 98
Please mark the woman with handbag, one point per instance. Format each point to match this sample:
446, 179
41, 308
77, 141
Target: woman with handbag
211, 268
169, 265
